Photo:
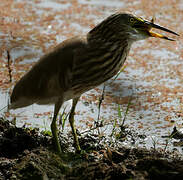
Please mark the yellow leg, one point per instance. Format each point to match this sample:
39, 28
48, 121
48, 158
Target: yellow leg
71, 121
54, 129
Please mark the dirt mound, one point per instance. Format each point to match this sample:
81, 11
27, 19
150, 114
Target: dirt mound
26, 154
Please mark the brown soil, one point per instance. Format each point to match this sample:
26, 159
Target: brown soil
27, 154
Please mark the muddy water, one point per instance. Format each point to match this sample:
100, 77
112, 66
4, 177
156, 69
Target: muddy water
152, 77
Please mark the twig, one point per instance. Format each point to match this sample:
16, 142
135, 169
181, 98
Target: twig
121, 70
166, 145
3, 108
97, 124
89, 130
9, 66
100, 102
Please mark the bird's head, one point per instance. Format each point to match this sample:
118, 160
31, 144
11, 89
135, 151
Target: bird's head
122, 25
138, 28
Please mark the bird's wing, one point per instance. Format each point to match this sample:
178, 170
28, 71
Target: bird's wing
51, 75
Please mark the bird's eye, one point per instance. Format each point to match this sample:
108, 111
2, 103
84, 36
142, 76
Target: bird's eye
132, 20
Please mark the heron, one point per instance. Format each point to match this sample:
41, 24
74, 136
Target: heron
81, 63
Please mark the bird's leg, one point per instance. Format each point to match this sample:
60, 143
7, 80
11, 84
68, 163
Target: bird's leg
54, 129
71, 121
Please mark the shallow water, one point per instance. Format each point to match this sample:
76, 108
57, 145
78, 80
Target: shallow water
152, 77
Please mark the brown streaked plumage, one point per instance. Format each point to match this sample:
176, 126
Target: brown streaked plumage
80, 64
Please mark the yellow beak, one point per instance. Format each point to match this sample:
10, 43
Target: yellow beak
151, 25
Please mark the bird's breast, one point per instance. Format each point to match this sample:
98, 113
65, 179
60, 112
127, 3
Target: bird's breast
97, 69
